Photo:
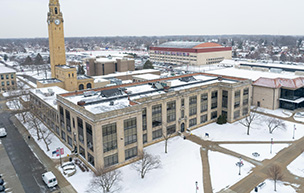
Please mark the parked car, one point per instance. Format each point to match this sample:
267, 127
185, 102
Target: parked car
255, 154
1, 181
49, 179
2, 189
3, 132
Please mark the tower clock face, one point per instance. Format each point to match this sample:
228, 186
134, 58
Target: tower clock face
57, 21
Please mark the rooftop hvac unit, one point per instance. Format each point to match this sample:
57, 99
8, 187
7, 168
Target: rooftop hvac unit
276, 70
116, 81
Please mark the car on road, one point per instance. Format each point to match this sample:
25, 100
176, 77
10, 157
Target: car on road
49, 179
1, 182
3, 132
2, 189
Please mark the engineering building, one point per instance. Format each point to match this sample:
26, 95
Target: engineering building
109, 127
62, 75
7, 79
189, 53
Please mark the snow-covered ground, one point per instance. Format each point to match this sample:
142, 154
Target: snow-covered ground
224, 172
297, 166
181, 168
278, 112
282, 187
56, 143
258, 132
262, 149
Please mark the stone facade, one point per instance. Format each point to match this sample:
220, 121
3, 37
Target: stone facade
7, 79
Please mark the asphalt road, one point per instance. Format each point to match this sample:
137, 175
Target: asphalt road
25, 163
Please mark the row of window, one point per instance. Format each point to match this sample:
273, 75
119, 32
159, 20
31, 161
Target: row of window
7, 76
8, 83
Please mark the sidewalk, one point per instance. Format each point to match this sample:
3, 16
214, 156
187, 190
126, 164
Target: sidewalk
65, 186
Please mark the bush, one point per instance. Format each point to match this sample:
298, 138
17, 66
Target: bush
222, 119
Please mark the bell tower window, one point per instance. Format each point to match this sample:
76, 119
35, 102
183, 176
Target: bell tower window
56, 10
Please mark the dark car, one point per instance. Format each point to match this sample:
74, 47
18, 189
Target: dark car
2, 189
1, 181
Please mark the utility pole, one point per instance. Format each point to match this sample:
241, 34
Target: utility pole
196, 187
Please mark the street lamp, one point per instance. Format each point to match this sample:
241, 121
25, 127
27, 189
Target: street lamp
271, 142
240, 165
196, 187
294, 131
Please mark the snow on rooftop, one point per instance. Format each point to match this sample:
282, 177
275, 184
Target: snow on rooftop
49, 81
146, 71
147, 76
251, 74
4, 69
45, 94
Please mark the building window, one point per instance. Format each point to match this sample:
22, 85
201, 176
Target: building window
183, 113
171, 129
157, 134
183, 102
246, 91
2, 83
236, 114
144, 119
192, 122
68, 120
109, 137
214, 100
89, 85
111, 160
192, 105
73, 122
145, 138
204, 102
7, 83
13, 82
171, 111
61, 112
156, 115
245, 111
63, 135
89, 137
91, 159
2, 77
245, 101
129, 153
70, 142
225, 99
80, 130
7, 76
82, 151
56, 10
214, 115
81, 87
237, 99
130, 130
57, 130
204, 118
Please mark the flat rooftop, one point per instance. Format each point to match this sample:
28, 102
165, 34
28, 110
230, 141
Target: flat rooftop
4, 70
49, 81
117, 97
48, 94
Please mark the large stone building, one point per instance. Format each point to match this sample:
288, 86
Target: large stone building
7, 79
109, 127
97, 66
62, 75
189, 53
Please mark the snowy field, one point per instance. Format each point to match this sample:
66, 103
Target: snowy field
262, 149
258, 132
282, 187
224, 172
297, 166
278, 112
56, 143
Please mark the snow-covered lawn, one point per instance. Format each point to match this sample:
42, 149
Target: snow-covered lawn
282, 187
258, 132
181, 168
224, 172
56, 143
278, 112
262, 149
80, 180
297, 166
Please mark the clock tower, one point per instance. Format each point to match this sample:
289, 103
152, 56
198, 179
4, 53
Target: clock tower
56, 36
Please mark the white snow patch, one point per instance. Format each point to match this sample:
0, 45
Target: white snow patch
297, 166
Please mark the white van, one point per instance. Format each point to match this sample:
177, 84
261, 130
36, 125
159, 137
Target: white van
49, 179
3, 132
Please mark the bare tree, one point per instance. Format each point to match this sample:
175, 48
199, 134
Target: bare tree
35, 124
107, 180
167, 135
274, 123
146, 163
16, 105
46, 136
275, 173
246, 122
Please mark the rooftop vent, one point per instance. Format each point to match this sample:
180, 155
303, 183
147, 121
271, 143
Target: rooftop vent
187, 79
111, 103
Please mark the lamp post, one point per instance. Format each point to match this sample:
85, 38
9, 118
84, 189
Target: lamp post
294, 131
196, 187
240, 165
271, 142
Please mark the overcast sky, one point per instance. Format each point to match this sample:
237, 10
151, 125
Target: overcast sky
27, 18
